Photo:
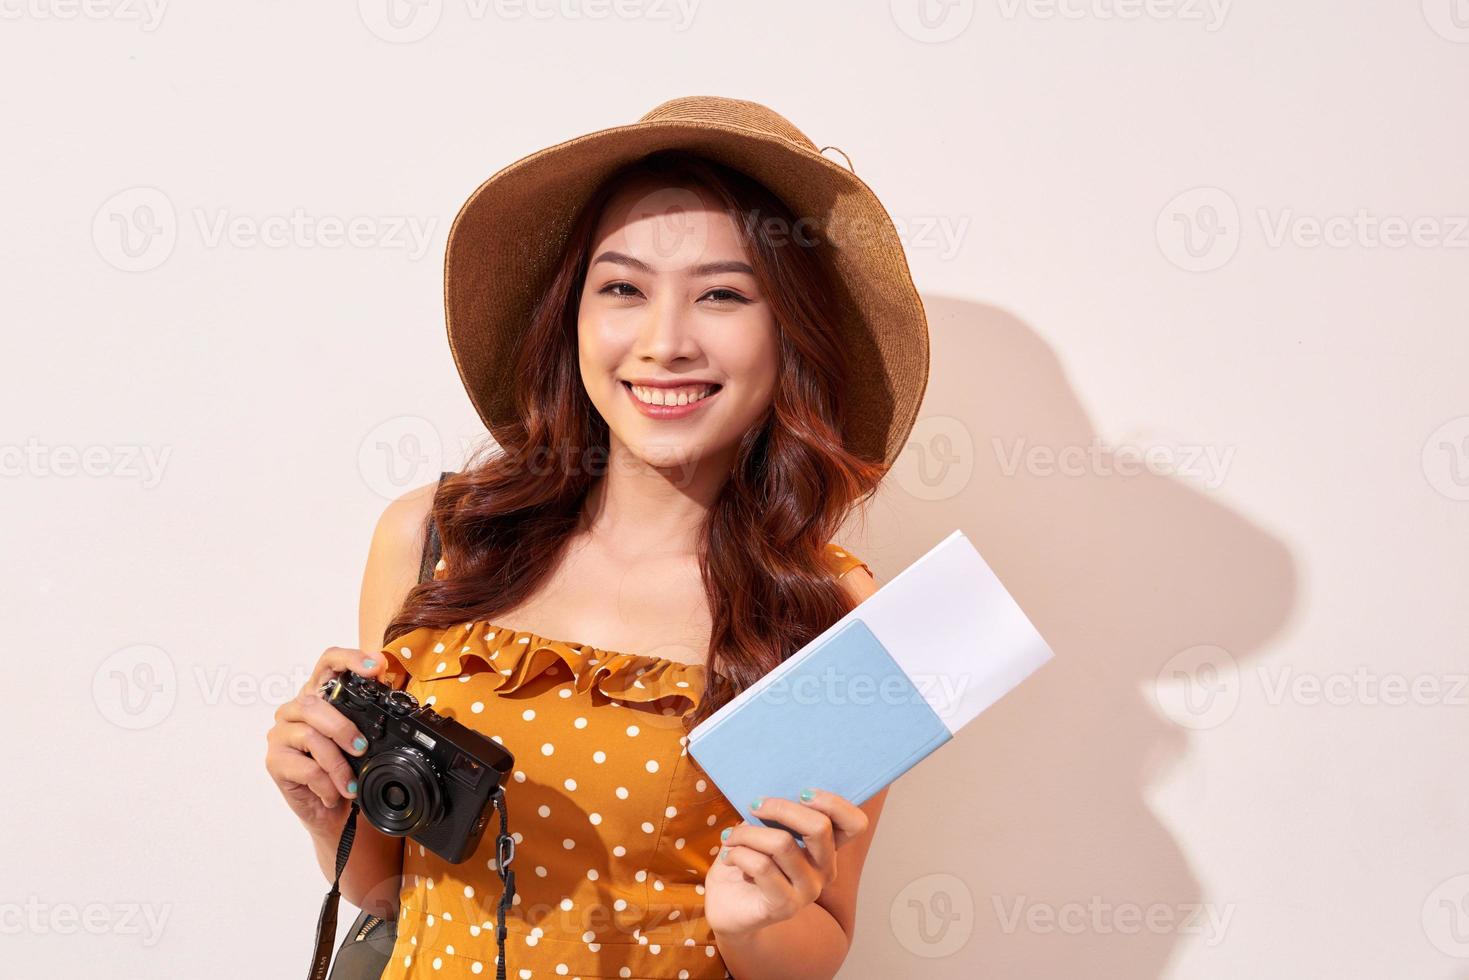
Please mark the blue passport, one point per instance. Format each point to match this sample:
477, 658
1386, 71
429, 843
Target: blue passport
877, 692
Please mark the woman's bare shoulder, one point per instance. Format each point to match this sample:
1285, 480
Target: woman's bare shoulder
405, 518
393, 560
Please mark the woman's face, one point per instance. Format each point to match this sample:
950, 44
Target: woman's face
677, 345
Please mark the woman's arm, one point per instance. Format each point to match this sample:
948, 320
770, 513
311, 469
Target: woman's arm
808, 945
815, 941
373, 875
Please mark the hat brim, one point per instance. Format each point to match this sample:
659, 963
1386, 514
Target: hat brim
509, 235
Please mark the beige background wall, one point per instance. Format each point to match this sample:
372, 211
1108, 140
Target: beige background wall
1229, 239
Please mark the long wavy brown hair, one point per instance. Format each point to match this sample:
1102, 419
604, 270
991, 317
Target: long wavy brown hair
505, 518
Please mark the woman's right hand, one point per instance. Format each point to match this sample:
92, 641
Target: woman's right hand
307, 747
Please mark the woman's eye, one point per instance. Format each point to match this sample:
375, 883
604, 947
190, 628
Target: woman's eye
726, 296
614, 289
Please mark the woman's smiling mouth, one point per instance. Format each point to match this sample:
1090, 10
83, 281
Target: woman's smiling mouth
664, 402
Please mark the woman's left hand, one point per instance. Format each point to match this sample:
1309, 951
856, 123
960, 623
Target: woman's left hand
762, 876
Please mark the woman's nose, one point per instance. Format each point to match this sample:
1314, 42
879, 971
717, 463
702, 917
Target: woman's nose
665, 333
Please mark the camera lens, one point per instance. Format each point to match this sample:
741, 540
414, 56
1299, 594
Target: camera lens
400, 792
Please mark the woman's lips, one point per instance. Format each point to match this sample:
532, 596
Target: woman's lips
669, 411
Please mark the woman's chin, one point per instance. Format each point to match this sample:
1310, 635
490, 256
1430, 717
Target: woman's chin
677, 458
669, 457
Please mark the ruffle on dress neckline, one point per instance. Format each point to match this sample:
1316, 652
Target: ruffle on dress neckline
513, 658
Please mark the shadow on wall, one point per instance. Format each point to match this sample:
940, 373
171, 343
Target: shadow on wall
1026, 847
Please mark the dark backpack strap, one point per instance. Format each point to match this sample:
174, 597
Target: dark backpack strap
432, 547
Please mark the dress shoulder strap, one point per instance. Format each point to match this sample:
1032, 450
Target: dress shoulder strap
432, 546
843, 561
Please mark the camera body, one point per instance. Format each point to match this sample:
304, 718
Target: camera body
423, 776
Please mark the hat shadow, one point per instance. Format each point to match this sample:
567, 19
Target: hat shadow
1040, 809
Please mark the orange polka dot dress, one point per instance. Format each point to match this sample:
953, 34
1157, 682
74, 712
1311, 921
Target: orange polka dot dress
615, 824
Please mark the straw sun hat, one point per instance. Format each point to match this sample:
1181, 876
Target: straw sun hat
508, 237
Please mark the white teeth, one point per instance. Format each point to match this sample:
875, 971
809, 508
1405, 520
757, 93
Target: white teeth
671, 396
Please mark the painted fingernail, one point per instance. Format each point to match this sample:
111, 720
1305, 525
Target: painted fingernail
724, 855
369, 663
756, 804
807, 795
359, 743
724, 834
352, 787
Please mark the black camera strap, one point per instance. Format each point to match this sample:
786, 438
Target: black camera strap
504, 854
326, 923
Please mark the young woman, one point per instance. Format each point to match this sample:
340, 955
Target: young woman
693, 380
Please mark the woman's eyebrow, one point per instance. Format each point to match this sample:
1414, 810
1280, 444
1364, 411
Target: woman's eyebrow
707, 269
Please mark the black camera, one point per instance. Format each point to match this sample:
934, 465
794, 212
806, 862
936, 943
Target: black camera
423, 776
